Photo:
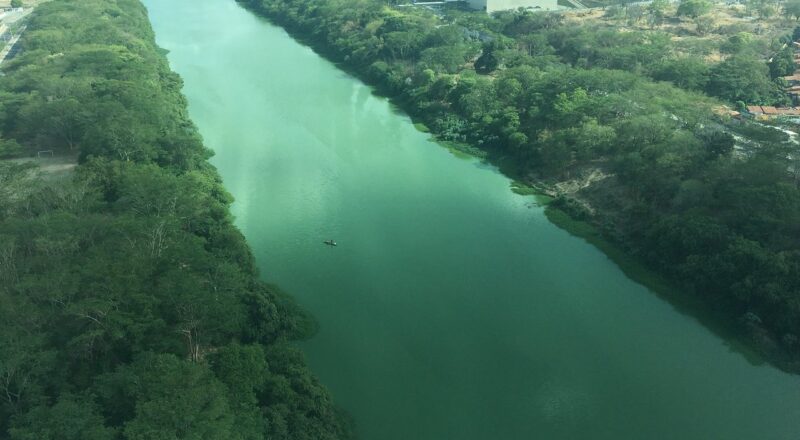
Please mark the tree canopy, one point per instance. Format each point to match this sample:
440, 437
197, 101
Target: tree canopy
694, 8
130, 306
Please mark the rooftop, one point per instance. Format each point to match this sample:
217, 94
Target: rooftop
773, 111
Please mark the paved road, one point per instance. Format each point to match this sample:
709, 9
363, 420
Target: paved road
14, 17
9, 47
8, 20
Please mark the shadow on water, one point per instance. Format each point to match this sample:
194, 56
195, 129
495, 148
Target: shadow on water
680, 300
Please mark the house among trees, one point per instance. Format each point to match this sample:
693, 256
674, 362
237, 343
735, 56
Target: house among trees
502, 5
793, 79
764, 112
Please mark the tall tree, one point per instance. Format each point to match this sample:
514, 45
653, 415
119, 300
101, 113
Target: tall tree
694, 8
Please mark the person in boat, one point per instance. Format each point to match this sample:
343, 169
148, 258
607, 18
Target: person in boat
330, 242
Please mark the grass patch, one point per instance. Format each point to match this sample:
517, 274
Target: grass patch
522, 189
422, 127
461, 150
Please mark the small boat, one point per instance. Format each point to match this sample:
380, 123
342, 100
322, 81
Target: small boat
330, 242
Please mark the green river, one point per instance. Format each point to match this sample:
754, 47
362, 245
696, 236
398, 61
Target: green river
452, 308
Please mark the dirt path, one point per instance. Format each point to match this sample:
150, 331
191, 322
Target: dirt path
53, 167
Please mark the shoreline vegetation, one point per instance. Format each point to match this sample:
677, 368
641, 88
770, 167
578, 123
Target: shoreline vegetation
636, 270
641, 163
130, 305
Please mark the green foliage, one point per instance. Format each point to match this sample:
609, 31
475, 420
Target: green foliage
10, 148
690, 73
782, 64
70, 418
173, 398
693, 8
792, 9
126, 293
739, 43
743, 78
657, 10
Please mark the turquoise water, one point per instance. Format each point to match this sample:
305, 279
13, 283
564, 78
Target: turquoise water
451, 309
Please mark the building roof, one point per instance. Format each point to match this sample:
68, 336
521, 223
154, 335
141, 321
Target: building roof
773, 111
769, 110
791, 111
795, 77
755, 109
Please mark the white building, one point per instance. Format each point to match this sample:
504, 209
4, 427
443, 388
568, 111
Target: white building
503, 5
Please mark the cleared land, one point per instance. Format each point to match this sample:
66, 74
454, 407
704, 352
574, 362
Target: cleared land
697, 36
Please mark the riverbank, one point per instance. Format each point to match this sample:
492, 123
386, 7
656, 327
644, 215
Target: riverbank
450, 301
580, 225
611, 209
127, 290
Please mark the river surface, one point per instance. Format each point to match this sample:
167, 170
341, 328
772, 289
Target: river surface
451, 309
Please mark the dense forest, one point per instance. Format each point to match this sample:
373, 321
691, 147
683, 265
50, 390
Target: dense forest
130, 306
624, 128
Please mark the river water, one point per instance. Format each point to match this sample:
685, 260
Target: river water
451, 309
